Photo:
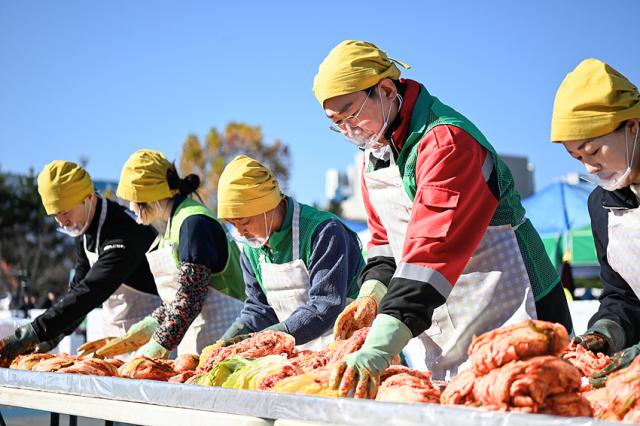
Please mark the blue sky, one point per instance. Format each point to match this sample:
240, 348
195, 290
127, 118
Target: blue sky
103, 79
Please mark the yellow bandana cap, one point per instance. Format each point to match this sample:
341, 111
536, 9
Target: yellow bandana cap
63, 185
144, 177
352, 66
592, 101
246, 188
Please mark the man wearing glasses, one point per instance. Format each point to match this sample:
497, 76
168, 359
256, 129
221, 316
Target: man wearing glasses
452, 254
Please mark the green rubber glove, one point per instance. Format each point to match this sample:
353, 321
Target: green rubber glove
153, 349
139, 334
619, 360
48, 345
387, 337
594, 342
373, 288
144, 327
361, 312
611, 331
22, 341
235, 329
232, 340
281, 327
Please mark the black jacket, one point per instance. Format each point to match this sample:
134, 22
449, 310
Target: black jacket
618, 301
121, 251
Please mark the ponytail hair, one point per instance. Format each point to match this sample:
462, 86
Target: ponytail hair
185, 186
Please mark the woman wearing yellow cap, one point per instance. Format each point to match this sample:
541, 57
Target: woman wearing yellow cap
300, 264
451, 246
196, 267
110, 251
596, 116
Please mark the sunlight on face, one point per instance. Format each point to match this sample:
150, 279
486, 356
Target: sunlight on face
606, 153
252, 226
144, 212
74, 217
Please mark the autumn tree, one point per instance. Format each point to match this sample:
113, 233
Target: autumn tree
208, 157
29, 242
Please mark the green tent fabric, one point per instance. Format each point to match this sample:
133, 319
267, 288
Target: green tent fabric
575, 246
560, 214
582, 248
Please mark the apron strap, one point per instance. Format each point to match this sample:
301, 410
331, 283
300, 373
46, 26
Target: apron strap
103, 216
154, 244
296, 231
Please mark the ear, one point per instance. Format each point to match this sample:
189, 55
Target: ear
634, 125
387, 88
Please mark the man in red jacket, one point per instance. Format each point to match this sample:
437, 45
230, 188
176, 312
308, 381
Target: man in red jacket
452, 254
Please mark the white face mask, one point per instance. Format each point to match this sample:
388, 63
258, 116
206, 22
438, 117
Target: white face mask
357, 138
617, 180
76, 230
383, 152
254, 242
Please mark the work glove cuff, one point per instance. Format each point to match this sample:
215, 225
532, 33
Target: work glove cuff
373, 288
153, 349
281, 327
612, 332
388, 335
150, 321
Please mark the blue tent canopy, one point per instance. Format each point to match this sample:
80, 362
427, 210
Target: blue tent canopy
559, 207
560, 214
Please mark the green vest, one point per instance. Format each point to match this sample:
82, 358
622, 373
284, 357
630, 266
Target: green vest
228, 281
280, 244
428, 113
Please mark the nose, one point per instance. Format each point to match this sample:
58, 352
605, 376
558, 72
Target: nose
351, 129
591, 168
240, 229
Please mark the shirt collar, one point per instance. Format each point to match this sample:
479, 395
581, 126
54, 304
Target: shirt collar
93, 226
410, 89
284, 233
619, 199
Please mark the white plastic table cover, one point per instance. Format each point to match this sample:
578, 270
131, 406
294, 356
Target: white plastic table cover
271, 405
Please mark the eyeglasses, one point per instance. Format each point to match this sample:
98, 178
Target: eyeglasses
342, 126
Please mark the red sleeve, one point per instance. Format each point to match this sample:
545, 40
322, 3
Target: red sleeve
452, 208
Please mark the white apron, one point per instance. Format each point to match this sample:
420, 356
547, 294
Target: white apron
126, 306
623, 250
493, 290
218, 310
287, 285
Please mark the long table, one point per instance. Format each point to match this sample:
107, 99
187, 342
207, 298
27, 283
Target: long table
158, 403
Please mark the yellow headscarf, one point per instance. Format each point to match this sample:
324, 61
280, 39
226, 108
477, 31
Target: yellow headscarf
144, 177
352, 66
246, 188
63, 185
592, 101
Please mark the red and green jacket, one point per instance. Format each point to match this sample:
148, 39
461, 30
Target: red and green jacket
459, 186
